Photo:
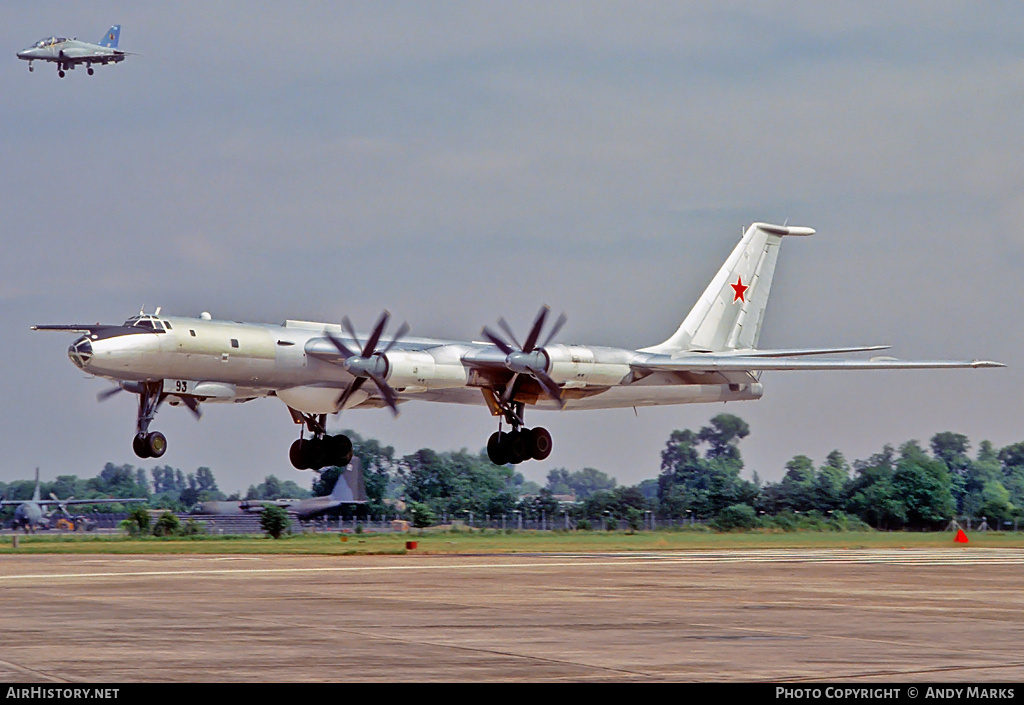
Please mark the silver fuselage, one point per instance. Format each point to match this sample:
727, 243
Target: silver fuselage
223, 361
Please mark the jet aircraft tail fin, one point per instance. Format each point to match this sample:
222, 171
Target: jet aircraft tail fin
350, 486
111, 37
729, 313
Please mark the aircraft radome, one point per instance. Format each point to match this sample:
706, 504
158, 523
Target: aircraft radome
68, 53
317, 369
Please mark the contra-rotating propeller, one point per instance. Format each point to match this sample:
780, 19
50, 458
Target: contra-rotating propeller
370, 363
529, 358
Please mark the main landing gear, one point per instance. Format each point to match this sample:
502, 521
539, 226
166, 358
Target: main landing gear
520, 443
320, 450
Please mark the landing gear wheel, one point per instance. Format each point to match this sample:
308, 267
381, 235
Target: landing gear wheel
495, 448
297, 454
91, 72
516, 447
540, 447
340, 450
140, 446
156, 442
61, 74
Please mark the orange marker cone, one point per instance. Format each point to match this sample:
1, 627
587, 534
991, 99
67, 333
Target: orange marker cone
961, 537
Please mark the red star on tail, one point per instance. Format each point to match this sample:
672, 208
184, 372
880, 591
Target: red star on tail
739, 287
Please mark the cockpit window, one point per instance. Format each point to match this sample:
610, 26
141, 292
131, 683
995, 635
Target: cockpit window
49, 41
144, 321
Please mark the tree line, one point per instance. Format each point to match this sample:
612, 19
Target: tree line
700, 480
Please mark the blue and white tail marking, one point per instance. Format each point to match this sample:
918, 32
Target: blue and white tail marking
110, 39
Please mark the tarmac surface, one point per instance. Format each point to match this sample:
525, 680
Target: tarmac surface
792, 616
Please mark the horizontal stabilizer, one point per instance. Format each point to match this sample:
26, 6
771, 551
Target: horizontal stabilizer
797, 352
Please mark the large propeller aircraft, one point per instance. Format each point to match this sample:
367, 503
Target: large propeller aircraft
36, 513
318, 369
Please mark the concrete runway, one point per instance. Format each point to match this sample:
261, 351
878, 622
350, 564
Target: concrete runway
795, 616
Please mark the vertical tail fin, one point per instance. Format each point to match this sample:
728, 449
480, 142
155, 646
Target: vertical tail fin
350, 486
729, 313
110, 38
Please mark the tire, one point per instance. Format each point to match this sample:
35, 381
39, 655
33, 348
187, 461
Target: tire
315, 452
156, 442
340, 450
516, 447
140, 446
297, 454
540, 443
495, 448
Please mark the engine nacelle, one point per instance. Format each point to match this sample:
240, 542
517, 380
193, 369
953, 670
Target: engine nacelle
578, 365
415, 370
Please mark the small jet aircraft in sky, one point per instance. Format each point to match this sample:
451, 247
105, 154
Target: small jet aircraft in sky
35, 513
349, 489
68, 53
317, 369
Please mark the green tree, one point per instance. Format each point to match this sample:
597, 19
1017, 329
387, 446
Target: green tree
137, 523
922, 485
870, 495
274, 521
167, 525
735, 516
420, 514
703, 486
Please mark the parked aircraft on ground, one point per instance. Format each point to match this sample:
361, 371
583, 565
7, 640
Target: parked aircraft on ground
68, 53
318, 369
349, 489
36, 513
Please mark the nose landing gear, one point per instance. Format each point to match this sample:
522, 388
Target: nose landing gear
149, 445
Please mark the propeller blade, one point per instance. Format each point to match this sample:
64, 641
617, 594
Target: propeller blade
193, 406
538, 323
349, 391
511, 388
554, 330
371, 344
107, 393
399, 334
342, 348
503, 324
347, 325
502, 345
390, 398
550, 387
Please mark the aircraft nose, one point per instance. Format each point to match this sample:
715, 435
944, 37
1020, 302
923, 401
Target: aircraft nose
80, 352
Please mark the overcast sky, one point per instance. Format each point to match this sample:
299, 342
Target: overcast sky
455, 162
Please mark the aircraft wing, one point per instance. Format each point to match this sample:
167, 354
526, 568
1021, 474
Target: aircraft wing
717, 362
76, 327
52, 502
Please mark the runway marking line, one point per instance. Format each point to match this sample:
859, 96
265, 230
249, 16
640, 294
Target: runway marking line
927, 557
